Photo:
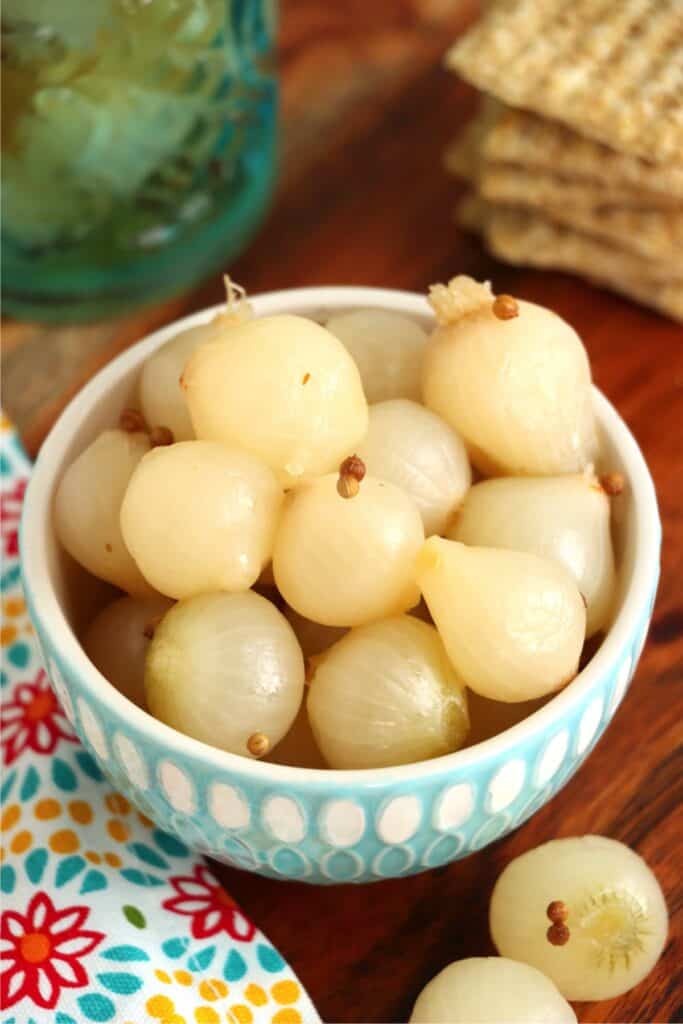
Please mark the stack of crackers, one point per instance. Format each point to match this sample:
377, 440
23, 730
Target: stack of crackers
576, 156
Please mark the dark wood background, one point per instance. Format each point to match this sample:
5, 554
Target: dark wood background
364, 199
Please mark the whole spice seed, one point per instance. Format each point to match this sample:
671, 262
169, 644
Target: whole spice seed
258, 744
505, 307
351, 472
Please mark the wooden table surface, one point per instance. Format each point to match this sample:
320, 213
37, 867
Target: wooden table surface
364, 199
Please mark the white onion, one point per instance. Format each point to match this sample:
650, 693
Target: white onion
223, 668
491, 990
387, 349
200, 516
386, 694
346, 561
616, 915
415, 449
518, 391
117, 639
513, 623
285, 389
87, 506
565, 518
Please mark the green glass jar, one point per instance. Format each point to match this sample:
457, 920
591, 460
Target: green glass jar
138, 147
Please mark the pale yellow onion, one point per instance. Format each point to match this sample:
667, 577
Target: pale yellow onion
513, 623
224, 667
346, 561
565, 518
387, 349
161, 396
518, 391
88, 503
415, 449
386, 694
200, 516
616, 915
285, 389
313, 637
491, 990
117, 639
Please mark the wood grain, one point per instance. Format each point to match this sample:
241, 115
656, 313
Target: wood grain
364, 199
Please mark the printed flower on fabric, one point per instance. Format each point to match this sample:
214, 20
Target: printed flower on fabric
10, 513
33, 720
41, 952
200, 897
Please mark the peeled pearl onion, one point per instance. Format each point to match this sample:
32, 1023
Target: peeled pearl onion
517, 391
200, 516
346, 561
387, 349
222, 667
513, 624
386, 694
415, 449
564, 518
87, 506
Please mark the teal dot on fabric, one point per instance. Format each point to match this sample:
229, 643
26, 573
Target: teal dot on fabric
96, 1007
29, 785
171, 846
4, 679
148, 855
120, 982
19, 654
5, 465
124, 953
174, 948
141, 878
235, 966
270, 959
7, 786
63, 775
68, 869
64, 1018
93, 881
88, 766
200, 961
7, 878
10, 578
34, 865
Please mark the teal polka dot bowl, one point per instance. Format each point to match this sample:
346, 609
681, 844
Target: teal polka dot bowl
327, 826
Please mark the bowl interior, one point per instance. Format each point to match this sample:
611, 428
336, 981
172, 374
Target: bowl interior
73, 596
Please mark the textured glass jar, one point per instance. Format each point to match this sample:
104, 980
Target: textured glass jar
138, 146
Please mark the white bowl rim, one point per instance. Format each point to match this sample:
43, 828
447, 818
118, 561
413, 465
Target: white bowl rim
45, 607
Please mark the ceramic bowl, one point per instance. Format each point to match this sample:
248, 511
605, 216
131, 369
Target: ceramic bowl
327, 826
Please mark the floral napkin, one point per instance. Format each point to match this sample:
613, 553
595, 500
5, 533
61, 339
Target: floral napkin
105, 918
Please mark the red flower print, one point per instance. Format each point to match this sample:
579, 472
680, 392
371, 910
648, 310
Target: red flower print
33, 720
10, 513
208, 904
43, 950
